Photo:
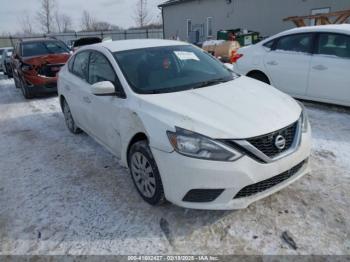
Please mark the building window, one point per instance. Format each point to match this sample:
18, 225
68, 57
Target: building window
189, 27
209, 27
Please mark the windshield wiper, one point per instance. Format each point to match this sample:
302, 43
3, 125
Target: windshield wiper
186, 87
211, 83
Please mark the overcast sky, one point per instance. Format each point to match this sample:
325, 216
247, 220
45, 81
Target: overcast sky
119, 12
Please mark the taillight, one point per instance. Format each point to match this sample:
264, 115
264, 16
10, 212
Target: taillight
235, 56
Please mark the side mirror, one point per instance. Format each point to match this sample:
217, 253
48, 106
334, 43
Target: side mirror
104, 88
229, 66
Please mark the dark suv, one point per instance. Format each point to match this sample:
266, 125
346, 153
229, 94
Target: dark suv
36, 63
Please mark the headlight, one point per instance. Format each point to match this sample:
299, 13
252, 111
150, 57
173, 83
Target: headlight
26, 68
197, 146
304, 118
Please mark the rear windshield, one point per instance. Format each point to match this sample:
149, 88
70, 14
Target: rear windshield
44, 48
87, 41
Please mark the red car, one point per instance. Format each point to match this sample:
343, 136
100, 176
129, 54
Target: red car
36, 63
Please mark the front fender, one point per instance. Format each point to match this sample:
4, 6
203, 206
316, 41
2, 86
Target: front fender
155, 130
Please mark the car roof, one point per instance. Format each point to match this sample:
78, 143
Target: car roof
342, 28
33, 40
86, 41
123, 45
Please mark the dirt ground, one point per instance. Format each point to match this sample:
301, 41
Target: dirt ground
65, 194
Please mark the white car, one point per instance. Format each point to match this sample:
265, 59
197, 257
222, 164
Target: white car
189, 129
311, 63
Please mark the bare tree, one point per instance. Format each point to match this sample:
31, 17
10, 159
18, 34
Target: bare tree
142, 17
45, 15
87, 21
101, 26
64, 22
26, 23
116, 27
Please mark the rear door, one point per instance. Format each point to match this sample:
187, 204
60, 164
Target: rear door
330, 69
77, 89
288, 63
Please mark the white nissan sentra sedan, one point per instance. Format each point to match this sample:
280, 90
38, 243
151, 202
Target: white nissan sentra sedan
311, 63
189, 129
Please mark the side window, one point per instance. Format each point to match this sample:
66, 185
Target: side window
209, 27
70, 64
269, 44
295, 43
189, 27
100, 69
334, 45
80, 66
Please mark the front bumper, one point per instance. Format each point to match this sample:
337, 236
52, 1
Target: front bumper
41, 84
182, 174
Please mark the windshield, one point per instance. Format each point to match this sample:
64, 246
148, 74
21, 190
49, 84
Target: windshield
171, 69
44, 48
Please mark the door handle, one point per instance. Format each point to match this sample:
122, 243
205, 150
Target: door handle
320, 67
87, 100
273, 63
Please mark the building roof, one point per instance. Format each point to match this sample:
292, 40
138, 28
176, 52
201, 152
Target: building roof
172, 2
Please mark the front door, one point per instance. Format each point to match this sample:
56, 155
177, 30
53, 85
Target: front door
104, 113
330, 69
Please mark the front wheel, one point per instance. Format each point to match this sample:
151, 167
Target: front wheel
25, 90
73, 128
145, 174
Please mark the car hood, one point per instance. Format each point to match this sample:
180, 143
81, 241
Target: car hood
239, 109
47, 59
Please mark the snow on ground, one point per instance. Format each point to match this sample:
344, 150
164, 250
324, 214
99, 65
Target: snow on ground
65, 194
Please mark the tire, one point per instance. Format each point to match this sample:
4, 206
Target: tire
259, 76
70, 123
144, 173
25, 90
16, 83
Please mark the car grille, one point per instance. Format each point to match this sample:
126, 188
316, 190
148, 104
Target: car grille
266, 143
50, 70
269, 183
202, 195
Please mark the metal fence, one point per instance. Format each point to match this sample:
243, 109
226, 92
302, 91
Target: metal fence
68, 38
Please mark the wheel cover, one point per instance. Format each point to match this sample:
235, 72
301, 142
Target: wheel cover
143, 175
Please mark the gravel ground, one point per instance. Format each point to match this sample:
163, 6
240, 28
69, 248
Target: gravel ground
65, 194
